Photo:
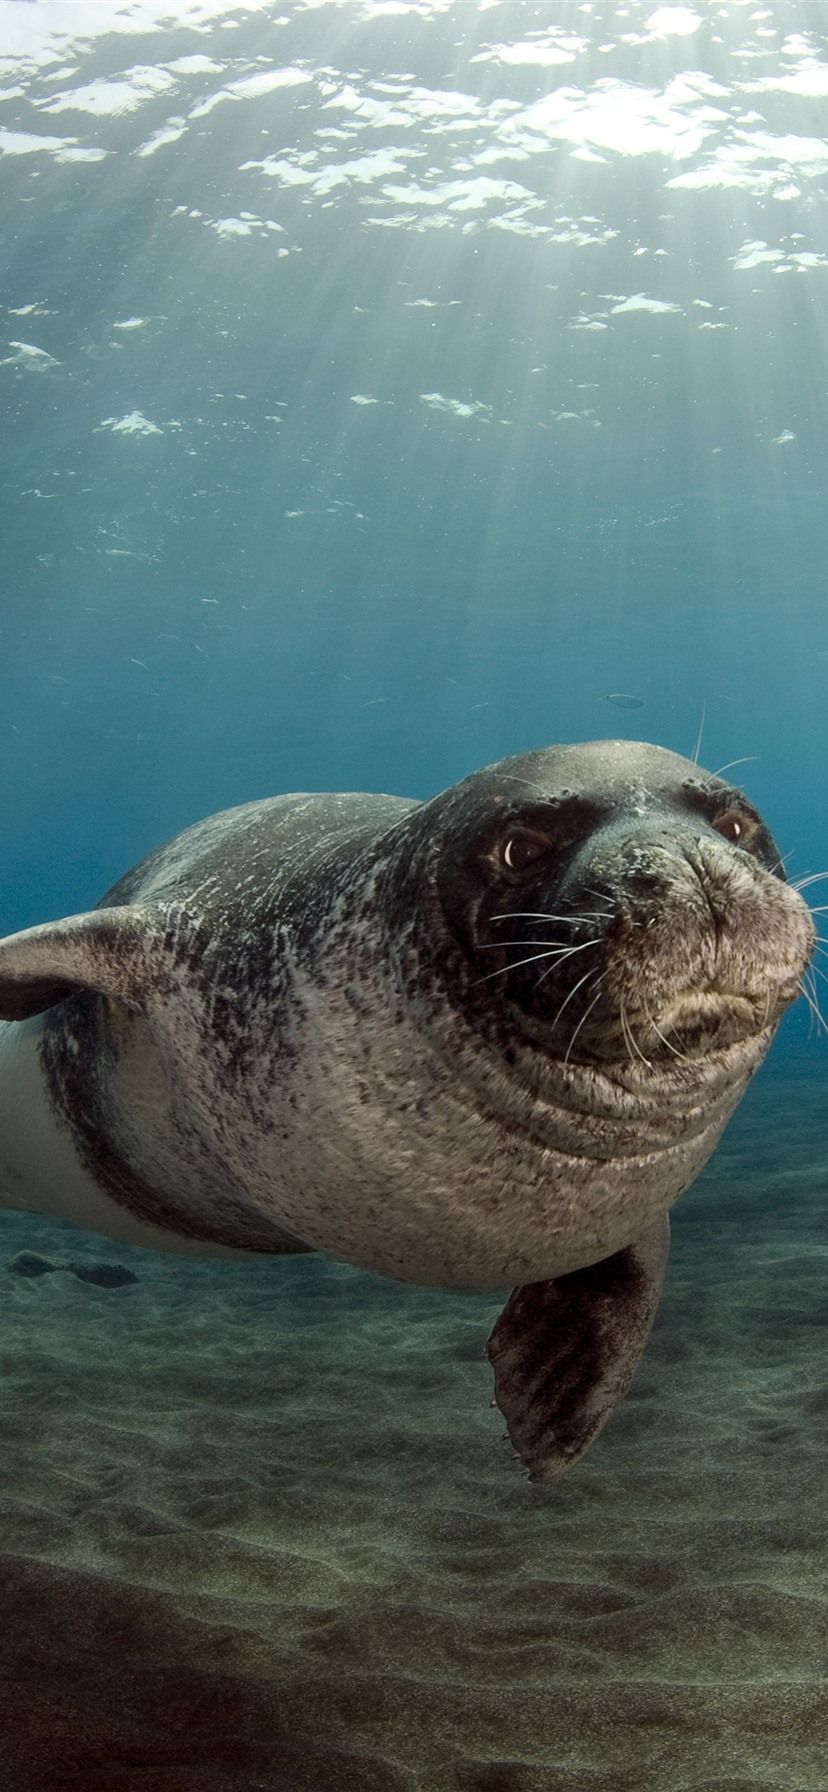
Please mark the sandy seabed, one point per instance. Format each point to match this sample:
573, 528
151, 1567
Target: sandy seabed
258, 1528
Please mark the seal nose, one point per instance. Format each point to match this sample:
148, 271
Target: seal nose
629, 868
706, 866
643, 876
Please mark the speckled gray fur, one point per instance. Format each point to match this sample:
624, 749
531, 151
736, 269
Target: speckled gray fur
302, 1025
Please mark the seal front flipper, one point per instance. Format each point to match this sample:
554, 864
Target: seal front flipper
114, 1075
105, 950
564, 1352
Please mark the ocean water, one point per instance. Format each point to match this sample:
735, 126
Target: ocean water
389, 386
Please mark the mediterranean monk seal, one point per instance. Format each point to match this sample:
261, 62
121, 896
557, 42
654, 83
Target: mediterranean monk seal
487, 1039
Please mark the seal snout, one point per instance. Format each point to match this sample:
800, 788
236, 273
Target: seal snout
658, 940
704, 948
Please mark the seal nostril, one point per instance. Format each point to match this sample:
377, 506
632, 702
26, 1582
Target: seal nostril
644, 876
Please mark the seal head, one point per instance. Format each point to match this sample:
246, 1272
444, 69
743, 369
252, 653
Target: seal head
631, 908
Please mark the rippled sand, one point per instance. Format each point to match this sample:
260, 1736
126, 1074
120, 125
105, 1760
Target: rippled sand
259, 1529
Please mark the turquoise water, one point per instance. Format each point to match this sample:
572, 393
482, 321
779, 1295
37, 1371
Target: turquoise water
387, 388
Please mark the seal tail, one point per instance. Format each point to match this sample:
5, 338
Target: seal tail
565, 1352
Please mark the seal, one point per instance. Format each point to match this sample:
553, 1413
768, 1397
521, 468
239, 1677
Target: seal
483, 1040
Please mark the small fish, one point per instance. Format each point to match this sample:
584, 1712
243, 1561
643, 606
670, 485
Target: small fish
623, 700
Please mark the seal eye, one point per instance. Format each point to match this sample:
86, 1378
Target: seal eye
522, 850
733, 827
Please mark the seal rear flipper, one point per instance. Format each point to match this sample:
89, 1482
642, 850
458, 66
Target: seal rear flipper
107, 951
565, 1352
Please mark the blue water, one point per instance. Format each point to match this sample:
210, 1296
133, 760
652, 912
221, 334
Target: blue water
391, 387
576, 262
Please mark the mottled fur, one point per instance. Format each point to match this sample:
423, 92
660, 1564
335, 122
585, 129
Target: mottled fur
303, 1024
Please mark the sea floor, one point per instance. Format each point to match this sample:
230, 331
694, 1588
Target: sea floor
258, 1528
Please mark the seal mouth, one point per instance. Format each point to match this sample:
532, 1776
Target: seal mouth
691, 1025
697, 1021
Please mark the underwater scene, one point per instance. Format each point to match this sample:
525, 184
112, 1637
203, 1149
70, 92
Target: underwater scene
415, 443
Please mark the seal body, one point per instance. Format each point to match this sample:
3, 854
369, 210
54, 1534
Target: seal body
486, 1039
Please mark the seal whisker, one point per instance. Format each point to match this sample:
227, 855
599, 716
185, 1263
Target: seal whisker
804, 993
816, 1013
802, 883
569, 954
694, 757
549, 952
568, 999
533, 914
600, 896
812, 973
585, 1016
632, 1039
808, 988
623, 1019
747, 759
779, 864
548, 945
633, 1042
664, 1040
636, 1047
